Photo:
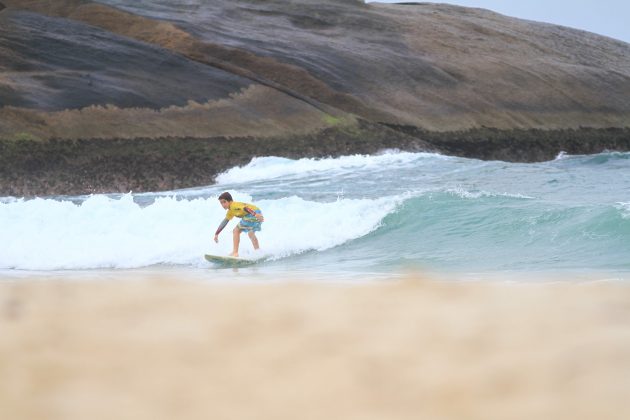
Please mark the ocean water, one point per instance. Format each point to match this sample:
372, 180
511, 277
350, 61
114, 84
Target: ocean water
353, 216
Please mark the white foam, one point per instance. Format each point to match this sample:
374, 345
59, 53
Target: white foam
46, 234
562, 155
463, 193
265, 168
624, 208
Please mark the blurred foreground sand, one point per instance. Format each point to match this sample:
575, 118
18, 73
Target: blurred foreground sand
413, 349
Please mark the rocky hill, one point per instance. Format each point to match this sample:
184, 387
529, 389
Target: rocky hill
121, 95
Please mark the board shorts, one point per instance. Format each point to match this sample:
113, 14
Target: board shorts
249, 223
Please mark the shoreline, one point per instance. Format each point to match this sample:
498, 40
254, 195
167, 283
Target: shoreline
76, 167
214, 275
162, 347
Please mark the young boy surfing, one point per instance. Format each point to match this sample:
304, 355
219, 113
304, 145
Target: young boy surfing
251, 218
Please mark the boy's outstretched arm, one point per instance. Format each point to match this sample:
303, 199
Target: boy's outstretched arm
219, 229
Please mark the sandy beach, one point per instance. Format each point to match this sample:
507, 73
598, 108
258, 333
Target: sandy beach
167, 348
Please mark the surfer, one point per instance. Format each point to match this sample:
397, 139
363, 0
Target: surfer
251, 219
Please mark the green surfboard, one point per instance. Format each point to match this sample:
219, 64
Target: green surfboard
229, 261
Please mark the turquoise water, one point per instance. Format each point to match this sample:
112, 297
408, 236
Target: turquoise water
352, 215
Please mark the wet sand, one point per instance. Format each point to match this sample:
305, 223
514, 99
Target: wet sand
169, 348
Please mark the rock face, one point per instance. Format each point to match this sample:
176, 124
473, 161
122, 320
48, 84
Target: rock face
297, 70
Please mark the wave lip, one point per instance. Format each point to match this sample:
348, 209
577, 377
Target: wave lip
266, 168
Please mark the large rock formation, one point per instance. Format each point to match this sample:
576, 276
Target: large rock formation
113, 74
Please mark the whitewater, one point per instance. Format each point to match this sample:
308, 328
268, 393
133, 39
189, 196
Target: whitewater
353, 215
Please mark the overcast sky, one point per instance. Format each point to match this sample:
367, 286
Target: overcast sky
605, 17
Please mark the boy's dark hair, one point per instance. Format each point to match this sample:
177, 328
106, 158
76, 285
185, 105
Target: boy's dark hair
226, 196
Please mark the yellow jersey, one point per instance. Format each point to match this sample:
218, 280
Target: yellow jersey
238, 209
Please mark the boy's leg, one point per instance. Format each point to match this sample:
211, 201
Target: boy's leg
236, 234
254, 239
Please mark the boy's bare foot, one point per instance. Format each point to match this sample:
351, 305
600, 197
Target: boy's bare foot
234, 254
